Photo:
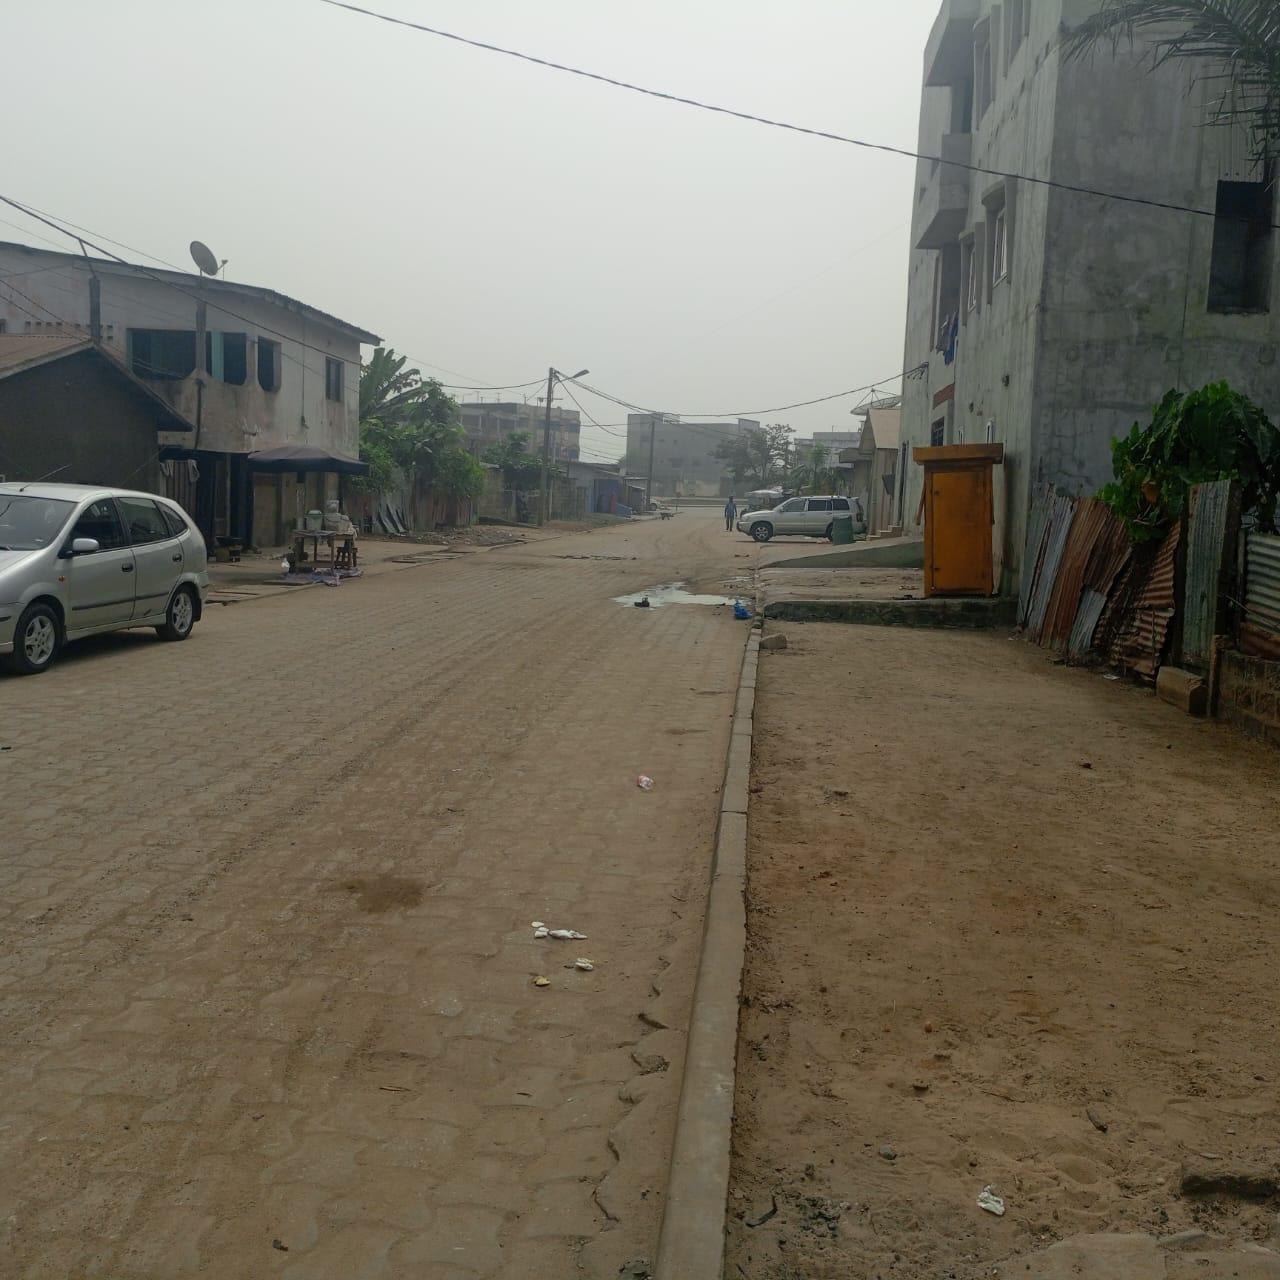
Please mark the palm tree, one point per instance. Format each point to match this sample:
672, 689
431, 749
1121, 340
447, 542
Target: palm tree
1240, 38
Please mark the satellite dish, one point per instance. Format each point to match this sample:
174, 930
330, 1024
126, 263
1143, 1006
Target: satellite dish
203, 257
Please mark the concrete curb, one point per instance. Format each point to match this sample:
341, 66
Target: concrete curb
691, 1244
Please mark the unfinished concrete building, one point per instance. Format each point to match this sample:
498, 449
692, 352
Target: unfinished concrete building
1049, 319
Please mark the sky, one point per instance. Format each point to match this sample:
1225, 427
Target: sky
490, 218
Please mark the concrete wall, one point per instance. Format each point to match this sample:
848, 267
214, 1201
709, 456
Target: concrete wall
77, 414
1105, 304
1249, 695
234, 419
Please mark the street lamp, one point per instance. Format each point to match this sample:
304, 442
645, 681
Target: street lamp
544, 503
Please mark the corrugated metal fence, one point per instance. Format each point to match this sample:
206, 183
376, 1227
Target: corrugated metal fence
1090, 591
1260, 630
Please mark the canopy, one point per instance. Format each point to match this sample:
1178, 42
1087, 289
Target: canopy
305, 457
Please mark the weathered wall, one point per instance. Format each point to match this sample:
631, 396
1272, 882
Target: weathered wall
77, 414
1249, 695
233, 418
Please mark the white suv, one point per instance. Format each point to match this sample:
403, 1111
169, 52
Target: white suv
806, 517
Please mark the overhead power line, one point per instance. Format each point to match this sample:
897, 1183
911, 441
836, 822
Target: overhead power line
767, 121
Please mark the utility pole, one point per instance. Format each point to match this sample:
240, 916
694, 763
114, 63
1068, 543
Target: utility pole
648, 486
544, 496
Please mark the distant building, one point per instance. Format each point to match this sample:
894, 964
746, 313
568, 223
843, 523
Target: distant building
1051, 320
835, 443
249, 367
877, 458
684, 461
490, 422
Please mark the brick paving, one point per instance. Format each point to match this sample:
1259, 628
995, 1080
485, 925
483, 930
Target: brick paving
266, 993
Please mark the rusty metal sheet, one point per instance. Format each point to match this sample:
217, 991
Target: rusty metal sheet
1141, 644
1037, 519
1061, 513
1260, 632
1212, 526
1092, 523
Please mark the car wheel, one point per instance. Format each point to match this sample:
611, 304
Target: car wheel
36, 640
762, 531
180, 616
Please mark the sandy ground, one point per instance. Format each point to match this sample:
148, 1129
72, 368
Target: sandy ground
267, 1001
994, 906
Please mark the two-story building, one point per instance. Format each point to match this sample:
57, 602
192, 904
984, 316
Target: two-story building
248, 368
490, 422
1051, 319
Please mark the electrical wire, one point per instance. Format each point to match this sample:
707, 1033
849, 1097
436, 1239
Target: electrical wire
150, 274
752, 118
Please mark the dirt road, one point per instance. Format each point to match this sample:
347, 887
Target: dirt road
267, 986
1009, 925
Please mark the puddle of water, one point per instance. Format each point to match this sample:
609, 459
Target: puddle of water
670, 593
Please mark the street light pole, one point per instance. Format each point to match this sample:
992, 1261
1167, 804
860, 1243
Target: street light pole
544, 496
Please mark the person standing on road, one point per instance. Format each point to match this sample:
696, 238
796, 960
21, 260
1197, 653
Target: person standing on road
730, 513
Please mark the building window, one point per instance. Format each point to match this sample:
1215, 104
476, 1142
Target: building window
1014, 28
226, 357
984, 90
938, 433
162, 354
946, 299
972, 254
1240, 269
268, 364
333, 371
999, 232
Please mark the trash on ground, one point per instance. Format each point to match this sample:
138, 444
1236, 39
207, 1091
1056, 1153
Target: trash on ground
540, 930
276, 1244
643, 603
644, 782
992, 1203
888, 1153
584, 964
542, 981
760, 1219
740, 611
1096, 1120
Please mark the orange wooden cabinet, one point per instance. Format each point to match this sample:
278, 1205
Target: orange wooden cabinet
959, 512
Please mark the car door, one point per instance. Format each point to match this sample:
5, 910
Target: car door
789, 518
817, 517
157, 554
99, 583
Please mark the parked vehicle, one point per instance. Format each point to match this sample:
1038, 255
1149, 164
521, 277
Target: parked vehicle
806, 517
79, 559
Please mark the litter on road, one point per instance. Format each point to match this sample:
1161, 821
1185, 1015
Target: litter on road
584, 964
992, 1203
542, 981
644, 782
540, 930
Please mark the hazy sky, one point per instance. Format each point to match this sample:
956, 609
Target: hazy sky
489, 217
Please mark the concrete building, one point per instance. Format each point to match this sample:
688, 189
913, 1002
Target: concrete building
489, 422
1051, 320
249, 367
684, 461
836, 443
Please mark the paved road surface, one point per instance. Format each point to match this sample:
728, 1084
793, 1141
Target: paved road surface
266, 992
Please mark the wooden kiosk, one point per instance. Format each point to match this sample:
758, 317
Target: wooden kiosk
959, 511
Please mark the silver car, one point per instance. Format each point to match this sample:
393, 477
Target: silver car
806, 517
77, 559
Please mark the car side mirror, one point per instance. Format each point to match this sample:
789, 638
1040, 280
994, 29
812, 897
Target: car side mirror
84, 546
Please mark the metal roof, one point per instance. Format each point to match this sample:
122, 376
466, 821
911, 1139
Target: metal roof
191, 280
20, 351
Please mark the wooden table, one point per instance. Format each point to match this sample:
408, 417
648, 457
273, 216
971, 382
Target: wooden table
342, 548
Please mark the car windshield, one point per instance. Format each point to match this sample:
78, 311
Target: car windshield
28, 523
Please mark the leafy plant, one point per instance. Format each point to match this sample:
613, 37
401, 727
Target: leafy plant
1211, 434
1239, 39
520, 469
756, 457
